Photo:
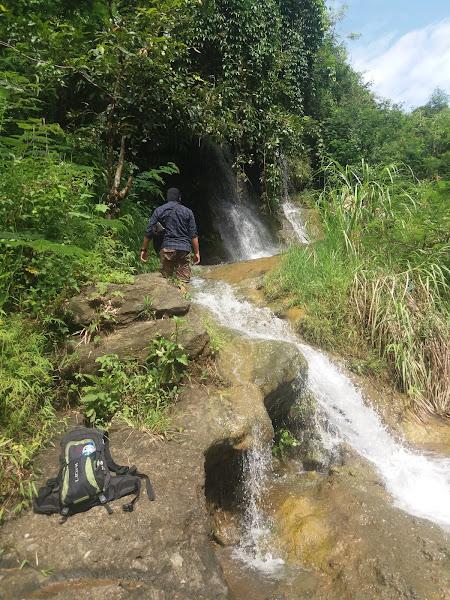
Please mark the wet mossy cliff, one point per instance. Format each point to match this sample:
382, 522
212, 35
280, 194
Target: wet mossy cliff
163, 549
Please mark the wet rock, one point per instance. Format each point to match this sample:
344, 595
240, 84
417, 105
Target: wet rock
345, 527
306, 422
310, 535
226, 528
277, 368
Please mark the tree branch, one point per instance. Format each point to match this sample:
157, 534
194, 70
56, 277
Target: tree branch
123, 192
66, 67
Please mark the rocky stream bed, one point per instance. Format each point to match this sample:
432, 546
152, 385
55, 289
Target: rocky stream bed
334, 528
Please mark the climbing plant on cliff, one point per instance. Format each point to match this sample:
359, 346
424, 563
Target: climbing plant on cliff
259, 58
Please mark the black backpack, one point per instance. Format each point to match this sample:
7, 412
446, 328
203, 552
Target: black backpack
85, 480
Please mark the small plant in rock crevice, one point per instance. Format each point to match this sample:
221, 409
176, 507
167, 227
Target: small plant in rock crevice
216, 338
147, 311
283, 439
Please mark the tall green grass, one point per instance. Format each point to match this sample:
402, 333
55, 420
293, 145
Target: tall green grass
408, 323
317, 278
380, 277
27, 407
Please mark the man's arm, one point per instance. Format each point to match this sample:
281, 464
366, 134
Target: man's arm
196, 249
144, 251
148, 236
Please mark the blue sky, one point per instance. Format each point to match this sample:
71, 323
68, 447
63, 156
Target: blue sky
404, 48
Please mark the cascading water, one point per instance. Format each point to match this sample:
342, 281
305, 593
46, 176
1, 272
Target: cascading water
291, 211
293, 214
418, 484
253, 547
242, 230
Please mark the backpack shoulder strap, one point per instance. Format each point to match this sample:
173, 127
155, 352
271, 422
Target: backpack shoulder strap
111, 464
47, 501
133, 471
122, 470
169, 218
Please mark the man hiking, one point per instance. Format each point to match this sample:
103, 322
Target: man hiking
179, 235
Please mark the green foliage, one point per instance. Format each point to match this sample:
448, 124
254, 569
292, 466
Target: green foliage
140, 394
283, 440
379, 277
136, 215
318, 277
55, 236
407, 322
260, 58
147, 310
216, 338
27, 408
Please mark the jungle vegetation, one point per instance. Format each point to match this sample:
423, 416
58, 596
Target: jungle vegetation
100, 98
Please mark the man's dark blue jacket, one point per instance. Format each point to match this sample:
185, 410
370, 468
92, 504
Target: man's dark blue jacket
180, 227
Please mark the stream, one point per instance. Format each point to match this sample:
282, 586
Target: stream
411, 504
419, 484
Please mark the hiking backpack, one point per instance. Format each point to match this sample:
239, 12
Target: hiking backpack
85, 480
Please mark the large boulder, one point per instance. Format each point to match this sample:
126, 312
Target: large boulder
134, 341
123, 319
277, 368
121, 304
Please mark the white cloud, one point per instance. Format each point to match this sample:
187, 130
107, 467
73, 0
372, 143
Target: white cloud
409, 69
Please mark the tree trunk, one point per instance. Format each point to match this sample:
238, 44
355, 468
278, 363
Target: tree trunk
115, 196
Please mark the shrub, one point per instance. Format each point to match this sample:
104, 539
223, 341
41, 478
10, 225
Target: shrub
140, 394
27, 411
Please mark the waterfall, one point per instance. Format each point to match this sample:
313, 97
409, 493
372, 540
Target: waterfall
293, 214
419, 484
243, 232
256, 527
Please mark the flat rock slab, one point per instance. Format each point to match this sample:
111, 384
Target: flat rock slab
160, 551
121, 304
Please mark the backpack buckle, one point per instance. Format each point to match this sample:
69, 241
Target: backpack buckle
104, 502
64, 514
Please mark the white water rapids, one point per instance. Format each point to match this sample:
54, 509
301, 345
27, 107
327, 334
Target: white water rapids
419, 484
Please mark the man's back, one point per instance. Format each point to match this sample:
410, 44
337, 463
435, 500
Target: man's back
180, 225
180, 234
